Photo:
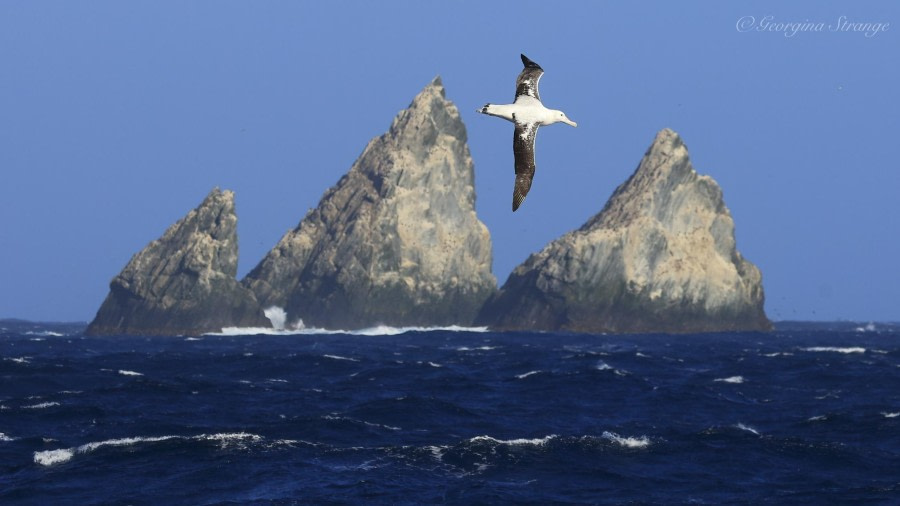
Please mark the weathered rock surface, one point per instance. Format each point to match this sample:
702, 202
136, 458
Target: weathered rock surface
396, 241
183, 282
659, 257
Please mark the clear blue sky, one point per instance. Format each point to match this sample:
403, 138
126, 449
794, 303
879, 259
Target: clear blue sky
116, 118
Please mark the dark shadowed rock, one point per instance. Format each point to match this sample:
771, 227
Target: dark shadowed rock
183, 282
659, 257
396, 241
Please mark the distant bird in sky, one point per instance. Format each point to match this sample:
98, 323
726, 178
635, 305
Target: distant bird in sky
527, 113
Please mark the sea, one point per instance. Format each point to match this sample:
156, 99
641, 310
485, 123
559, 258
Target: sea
805, 414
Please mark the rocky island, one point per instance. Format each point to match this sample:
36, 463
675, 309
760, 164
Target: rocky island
396, 241
183, 283
659, 257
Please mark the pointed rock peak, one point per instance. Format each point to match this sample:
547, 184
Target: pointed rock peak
183, 282
667, 154
429, 115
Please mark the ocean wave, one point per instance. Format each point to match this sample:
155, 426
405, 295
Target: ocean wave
125, 372
42, 405
890, 415
479, 348
18, 360
834, 349
527, 374
627, 442
62, 455
747, 428
513, 442
731, 379
4, 437
338, 357
44, 333
379, 330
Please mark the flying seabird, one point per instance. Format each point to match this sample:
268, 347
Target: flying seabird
527, 113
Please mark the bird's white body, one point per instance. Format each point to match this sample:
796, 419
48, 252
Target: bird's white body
527, 110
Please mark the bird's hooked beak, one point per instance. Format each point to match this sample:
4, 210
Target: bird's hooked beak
570, 122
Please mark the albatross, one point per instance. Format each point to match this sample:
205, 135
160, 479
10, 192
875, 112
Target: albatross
527, 113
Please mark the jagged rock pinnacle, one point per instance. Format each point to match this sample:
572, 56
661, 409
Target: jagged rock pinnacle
183, 282
659, 257
396, 241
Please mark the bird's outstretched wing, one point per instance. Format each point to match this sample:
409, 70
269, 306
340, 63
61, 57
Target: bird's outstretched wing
527, 82
523, 149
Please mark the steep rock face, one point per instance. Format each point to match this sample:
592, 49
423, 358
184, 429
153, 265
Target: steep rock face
659, 257
183, 282
396, 241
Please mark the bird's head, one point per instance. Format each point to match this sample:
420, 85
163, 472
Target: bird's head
561, 118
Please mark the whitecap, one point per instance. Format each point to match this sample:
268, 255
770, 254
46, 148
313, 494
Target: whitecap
603, 366
124, 372
193, 339
480, 348
338, 357
50, 457
731, 379
44, 333
853, 349
20, 360
514, 442
432, 364
819, 418
379, 330
890, 415
527, 374
747, 428
779, 354
628, 442
41, 405
4, 437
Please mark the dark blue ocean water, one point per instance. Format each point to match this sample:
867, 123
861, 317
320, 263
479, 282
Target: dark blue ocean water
797, 416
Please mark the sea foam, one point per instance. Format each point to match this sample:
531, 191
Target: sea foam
59, 456
853, 349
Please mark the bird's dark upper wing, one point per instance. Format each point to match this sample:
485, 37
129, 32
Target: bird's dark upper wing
527, 82
523, 149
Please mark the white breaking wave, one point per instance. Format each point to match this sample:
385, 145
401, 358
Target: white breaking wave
44, 333
628, 442
124, 372
747, 428
731, 379
527, 374
277, 316
779, 354
514, 442
890, 415
4, 437
380, 330
480, 348
854, 349
41, 405
338, 357
19, 360
51, 457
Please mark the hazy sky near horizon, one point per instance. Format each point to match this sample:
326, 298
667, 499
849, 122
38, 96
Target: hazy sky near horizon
117, 118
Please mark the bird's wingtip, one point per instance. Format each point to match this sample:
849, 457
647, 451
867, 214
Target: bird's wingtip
528, 63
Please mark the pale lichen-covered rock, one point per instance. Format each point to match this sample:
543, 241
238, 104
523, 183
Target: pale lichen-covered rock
184, 282
659, 257
396, 241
